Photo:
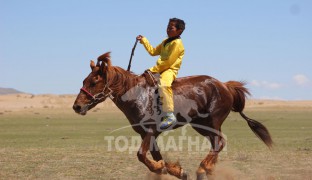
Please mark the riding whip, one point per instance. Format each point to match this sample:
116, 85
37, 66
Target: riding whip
132, 53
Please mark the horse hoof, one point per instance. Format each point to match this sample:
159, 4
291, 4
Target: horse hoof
164, 170
184, 175
201, 176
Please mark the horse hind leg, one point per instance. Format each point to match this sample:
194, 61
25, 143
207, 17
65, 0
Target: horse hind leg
207, 165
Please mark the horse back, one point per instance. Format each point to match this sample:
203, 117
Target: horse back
206, 91
201, 81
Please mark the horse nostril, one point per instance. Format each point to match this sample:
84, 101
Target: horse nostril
76, 107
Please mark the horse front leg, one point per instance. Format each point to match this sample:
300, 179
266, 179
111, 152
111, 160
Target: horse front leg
148, 144
155, 152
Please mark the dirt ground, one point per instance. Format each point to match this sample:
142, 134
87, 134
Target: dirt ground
42, 138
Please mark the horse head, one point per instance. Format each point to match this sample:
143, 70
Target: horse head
95, 86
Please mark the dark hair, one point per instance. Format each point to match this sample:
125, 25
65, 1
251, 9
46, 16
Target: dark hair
180, 23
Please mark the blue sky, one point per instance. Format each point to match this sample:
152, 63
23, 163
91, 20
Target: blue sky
46, 46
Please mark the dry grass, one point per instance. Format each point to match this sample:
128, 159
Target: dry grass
42, 138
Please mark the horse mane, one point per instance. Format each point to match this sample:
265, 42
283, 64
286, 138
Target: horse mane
105, 58
118, 79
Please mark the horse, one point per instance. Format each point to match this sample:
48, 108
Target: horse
201, 101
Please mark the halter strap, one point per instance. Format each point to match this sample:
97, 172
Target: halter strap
96, 97
87, 92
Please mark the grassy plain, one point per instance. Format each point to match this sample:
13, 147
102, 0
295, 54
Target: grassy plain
42, 138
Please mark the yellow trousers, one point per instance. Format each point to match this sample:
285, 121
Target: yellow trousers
165, 91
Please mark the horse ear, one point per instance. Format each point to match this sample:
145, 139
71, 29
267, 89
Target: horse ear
92, 64
105, 58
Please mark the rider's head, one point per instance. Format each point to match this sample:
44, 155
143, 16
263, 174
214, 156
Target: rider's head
175, 27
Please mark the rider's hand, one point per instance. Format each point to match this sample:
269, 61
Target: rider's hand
139, 37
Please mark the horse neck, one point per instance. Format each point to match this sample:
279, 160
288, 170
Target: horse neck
120, 80
125, 87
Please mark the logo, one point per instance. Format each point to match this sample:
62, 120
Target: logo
147, 102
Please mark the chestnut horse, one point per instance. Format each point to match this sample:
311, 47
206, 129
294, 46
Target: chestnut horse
201, 101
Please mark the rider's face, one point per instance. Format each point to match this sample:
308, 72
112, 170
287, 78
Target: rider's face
172, 30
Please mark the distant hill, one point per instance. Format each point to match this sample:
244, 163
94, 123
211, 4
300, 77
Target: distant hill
9, 91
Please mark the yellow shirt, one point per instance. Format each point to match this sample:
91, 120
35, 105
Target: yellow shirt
170, 55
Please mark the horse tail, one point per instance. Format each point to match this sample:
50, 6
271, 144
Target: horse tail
239, 93
259, 129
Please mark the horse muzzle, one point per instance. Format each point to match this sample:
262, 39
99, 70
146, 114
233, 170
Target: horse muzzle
82, 110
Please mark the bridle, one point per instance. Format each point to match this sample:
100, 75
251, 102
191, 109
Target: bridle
96, 98
99, 96
103, 95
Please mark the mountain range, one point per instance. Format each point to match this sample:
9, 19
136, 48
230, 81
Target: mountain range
4, 91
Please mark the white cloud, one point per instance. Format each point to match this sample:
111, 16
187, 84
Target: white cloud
301, 80
266, 84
